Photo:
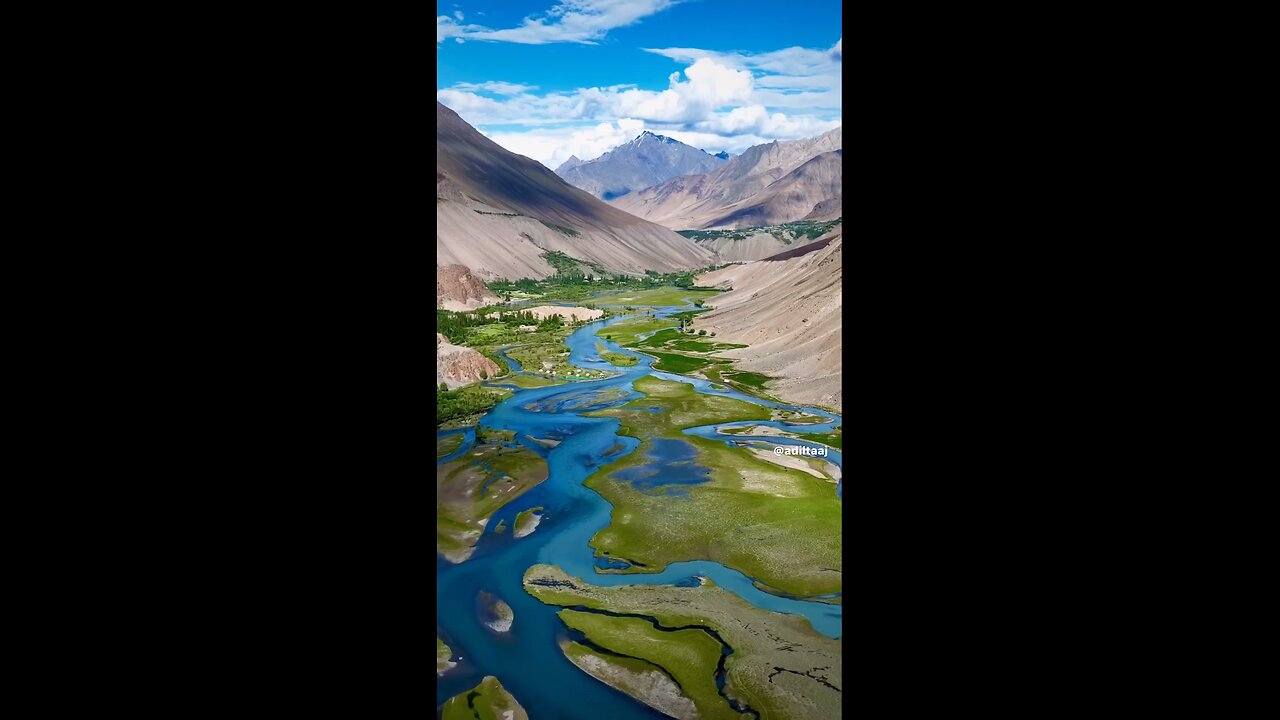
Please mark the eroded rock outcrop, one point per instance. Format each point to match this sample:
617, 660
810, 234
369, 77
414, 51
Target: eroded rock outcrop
458, 289
457, 366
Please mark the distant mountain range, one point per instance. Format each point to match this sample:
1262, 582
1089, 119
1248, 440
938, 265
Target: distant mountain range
791, 197
498, 212
768, 184
647, 160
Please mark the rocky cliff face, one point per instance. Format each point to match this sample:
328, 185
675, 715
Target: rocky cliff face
458, 289
457, 366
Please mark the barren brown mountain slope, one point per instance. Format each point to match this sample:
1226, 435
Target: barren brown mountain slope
497, 212
828, 209
796, 195
697, 201
757, 245
788, 312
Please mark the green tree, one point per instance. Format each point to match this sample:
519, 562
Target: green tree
444, 387
552, 322
484, 375
702, 332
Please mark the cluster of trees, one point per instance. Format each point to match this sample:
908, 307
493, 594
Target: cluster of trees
686, 326
571, 268
507, 286
569, 274
459, 326
452, 404
454, 325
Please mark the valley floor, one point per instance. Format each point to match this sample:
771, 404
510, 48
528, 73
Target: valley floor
685, 478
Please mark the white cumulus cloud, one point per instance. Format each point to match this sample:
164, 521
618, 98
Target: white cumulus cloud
755, 120
552, 146
574, 21
497, 87
718, 101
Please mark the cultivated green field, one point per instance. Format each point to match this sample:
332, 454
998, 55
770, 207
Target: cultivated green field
673, 339
833, 438
677, 363
626, 332
755, 380
689, 354
778, 524
723, 374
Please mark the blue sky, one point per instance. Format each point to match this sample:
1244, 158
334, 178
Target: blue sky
554, 78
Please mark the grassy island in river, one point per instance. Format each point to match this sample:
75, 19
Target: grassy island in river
776, 524
687, 656
486, 701
443, 653
470, 489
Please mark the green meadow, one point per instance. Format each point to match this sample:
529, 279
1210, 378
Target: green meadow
774, 523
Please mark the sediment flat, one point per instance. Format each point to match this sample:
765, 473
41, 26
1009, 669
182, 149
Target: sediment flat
496, 614
642, 680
